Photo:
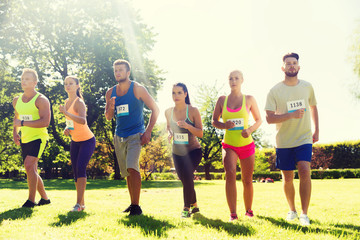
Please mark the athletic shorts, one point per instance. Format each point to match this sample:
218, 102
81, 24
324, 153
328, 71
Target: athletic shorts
242, 152
287, 158
127, 153
34, 148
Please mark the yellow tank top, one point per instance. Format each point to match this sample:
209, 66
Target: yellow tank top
79, 132
240, 117
29, 112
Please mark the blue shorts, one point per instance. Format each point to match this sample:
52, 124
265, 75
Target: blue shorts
287, 158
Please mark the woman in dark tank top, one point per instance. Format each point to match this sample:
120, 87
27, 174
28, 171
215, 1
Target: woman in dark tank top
184, 125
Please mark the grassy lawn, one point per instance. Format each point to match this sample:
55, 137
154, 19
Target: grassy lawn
334, 212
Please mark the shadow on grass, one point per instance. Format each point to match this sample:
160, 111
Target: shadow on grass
68, 184
337, 230
16, 213
347, 226
233, 229
69, 218
148, 224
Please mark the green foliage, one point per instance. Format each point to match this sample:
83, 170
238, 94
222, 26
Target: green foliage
83, 38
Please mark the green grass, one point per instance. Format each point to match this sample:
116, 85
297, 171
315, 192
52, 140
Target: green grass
334, 212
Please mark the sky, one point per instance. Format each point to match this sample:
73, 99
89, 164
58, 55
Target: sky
199, 42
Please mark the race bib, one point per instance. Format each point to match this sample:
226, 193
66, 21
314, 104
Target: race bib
239, 124
181, 138
122, 110
26, 117
70, 124
292, 106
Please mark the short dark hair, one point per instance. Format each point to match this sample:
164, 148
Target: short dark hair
124, 62
294, 55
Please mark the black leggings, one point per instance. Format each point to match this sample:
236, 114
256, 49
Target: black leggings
185, 167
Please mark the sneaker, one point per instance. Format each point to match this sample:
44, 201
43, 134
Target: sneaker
233, 217
43, 202
249, 213
291, 216
304, 220
28, 204
185, 213
135, 210
194, 209
128, 209
77, 208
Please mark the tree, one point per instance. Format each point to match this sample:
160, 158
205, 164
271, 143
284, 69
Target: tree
154, 157
60, 38
212, 137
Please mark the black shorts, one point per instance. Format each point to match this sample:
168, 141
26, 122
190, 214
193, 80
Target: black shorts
34, 148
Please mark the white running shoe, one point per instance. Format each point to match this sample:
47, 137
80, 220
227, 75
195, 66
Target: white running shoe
77, 208
304, 220
291, 216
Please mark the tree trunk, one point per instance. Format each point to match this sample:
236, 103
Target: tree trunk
117, 175
207, 171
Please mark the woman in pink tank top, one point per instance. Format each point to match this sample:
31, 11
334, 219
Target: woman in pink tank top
82, 139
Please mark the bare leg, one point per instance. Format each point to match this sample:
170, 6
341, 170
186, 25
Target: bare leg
229, 160
80, 190
30, 165
289, 190
134, 185
247, 169
305, 184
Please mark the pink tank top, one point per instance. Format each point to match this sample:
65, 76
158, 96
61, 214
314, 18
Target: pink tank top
79, 132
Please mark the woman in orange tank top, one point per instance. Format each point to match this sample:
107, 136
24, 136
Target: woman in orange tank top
82, 139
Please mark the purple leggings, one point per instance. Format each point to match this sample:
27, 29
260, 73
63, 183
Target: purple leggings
80, 154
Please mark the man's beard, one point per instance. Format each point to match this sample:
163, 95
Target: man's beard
121, 80
291, 74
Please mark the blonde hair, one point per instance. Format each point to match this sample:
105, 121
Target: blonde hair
31, 71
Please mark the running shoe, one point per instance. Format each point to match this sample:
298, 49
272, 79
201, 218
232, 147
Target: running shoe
291, 216
135, 210
249, 213
77, 208
128, 209
304, 220
194, 209
28, 204
233, 217
43, 202
185, 213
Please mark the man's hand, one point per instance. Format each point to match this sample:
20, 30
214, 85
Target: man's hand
16, 138
145, 138
299, 113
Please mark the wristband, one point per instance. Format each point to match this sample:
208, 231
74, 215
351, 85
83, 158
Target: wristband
22, 123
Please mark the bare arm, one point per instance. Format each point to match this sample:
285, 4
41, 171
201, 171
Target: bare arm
217, 114
43, 104
196, 130
80, 108
110, 105
271, 117
16, 136
167, 116
315, 118
150, 103
256, 115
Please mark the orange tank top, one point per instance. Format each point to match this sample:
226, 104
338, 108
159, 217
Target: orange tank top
79, 132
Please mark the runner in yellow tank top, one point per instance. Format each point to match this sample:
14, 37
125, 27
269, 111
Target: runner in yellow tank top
238, 142
32, 117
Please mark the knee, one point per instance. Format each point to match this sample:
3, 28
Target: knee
29, 166
246, 182
132, 172
230, 174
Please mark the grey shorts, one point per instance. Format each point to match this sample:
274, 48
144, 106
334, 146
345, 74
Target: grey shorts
127, 153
